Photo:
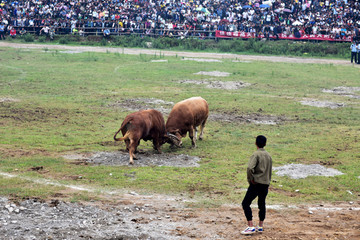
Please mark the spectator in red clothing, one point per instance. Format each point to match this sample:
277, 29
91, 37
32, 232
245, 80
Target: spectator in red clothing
12, 32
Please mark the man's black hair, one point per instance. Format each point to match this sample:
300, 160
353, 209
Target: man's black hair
261, 141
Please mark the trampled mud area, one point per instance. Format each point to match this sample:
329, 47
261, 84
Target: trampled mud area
144, 158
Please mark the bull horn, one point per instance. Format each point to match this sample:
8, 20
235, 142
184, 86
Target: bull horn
174, 139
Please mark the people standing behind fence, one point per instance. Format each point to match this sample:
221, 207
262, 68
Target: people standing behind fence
354, 52
238, 15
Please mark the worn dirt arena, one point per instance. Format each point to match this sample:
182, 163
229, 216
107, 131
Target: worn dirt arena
124, 215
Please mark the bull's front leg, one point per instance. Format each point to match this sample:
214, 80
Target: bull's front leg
191, 135
156, 145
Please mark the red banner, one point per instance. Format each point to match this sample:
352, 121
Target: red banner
320, 37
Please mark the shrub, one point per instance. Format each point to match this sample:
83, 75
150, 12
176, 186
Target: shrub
63, 40
42, 39
28, 37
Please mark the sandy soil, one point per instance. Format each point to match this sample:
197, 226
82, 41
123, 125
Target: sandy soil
133, 216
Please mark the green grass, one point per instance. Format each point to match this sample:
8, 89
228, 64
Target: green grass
65, 106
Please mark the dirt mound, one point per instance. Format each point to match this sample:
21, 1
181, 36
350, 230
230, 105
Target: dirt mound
255, 118
298, 171
218, 84
145, 158
322, 104
142, 104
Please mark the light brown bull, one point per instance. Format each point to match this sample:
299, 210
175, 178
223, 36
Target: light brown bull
185, 117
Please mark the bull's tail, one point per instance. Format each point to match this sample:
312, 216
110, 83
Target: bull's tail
125, 137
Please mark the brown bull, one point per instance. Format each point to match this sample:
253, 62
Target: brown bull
147, 125
185, 117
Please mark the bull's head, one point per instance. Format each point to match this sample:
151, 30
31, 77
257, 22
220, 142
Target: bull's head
174, 139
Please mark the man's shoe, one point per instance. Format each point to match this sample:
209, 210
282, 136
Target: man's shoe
260, 229
249, 230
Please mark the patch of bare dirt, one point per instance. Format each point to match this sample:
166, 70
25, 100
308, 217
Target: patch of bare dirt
298, 171
18, 153
255, 118
8, 99
352, 92
144, 158
231, 85
142, 104
213, 73
322, 104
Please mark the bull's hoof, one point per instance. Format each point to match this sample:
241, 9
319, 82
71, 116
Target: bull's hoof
131, 163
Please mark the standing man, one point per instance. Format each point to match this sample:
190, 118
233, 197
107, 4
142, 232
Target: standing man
259, 176
354, 52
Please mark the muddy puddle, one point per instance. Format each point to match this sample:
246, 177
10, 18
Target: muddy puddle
144, 158
231, 85
352, 92
298, 171
322, 104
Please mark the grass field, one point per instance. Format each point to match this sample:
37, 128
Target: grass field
63, 103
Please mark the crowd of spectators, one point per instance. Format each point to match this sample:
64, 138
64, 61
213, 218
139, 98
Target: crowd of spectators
181, 18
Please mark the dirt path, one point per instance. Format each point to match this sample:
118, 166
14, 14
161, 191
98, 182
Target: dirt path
134, 216
177, 53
